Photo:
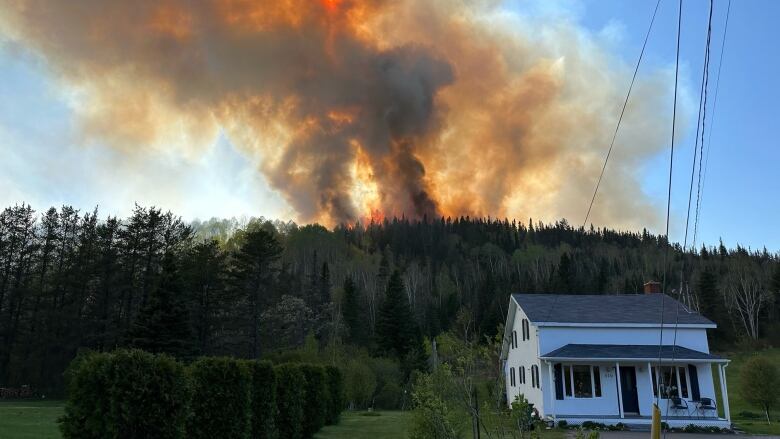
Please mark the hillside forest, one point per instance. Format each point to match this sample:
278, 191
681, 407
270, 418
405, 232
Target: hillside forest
374, 294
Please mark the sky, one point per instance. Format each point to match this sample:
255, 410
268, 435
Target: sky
46, 161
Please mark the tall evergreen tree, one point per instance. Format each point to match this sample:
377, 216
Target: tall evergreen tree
162, 325
396, 329
350, 309
253, 274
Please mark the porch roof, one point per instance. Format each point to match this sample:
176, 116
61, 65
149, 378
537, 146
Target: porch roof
617, 352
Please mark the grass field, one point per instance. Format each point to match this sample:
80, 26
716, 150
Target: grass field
358, 425
29, 419
738, 405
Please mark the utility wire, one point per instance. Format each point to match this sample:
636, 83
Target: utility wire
669, 196
699, 125
622, 111
703, 177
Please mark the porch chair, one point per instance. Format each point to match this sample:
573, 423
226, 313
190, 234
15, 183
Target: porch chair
680, 404
705, 404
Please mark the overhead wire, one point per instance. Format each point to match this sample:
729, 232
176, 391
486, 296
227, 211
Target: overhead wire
622, 112
703, 170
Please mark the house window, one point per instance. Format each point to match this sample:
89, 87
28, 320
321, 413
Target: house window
526, 330
535, 376
514, 339
522, 374
581, 381
674, 382
512, 376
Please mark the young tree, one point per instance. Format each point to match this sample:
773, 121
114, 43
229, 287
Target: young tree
350, 308
760, 383
396, 330
162, 325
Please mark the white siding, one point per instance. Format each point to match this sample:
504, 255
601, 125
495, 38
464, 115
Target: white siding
554, 337
526, 354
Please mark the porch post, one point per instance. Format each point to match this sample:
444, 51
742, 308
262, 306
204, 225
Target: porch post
619, 389
650, 375
552, 389
724, 390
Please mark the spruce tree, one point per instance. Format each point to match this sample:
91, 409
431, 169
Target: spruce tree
162, 325
350, 309
396, 329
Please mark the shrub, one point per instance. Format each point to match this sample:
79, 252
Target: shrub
335, 386
88, 379
289, 401
221, 399
760, 380
562, 423
263, 399
149, 395
359, 383
125, 394
315, 399
389, 397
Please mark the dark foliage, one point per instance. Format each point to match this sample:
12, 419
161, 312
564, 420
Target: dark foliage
263, 399
221, 399
126, 394
335, 389
290, 394
315, 400
396, 328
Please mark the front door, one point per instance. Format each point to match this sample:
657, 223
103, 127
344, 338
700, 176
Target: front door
629, 391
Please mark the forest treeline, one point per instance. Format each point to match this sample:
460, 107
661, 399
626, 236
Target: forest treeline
72, 281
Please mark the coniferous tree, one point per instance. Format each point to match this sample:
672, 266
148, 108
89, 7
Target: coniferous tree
396, 329
162, 325
350, 309
253, 274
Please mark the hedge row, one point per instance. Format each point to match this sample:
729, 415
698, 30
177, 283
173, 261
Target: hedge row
134, 394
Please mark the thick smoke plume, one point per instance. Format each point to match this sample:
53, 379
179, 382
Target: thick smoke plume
362, 109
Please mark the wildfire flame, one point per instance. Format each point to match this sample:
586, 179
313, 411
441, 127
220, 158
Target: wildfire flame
362, 109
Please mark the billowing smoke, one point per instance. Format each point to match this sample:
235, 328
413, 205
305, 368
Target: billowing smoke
362, 109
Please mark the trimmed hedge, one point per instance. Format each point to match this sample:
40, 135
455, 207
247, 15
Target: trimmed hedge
126, 394
335, 386
263, 399
133, 394
221, 399
290, 394
88, 379
315, 398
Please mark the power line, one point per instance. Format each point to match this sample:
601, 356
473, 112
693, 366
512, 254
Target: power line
669, 193
622, 111
703, 178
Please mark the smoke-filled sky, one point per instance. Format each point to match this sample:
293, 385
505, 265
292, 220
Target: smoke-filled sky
345, 110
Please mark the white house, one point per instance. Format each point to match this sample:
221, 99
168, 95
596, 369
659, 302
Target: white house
597, 358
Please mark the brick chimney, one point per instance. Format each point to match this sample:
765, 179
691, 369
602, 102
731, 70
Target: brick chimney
652, 287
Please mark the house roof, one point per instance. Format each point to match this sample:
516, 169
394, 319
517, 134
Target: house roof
608, 309
628, 352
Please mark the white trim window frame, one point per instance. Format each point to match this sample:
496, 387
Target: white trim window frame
679, 388
569, 391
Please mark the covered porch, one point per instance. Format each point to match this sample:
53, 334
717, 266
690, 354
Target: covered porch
613, 384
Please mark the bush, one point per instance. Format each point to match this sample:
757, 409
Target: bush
88, 379
562, 423
335, 386
359, 383
263, 399
125, 394
221, 400
149, 395
315, 399
760, 379
389, 397
289, 401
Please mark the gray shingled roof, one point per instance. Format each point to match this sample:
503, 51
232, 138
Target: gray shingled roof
600, 308
620, 351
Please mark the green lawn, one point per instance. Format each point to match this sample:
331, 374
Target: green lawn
737, 404
29, 419
360, 425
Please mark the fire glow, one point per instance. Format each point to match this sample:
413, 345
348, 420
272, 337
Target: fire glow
361, 110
